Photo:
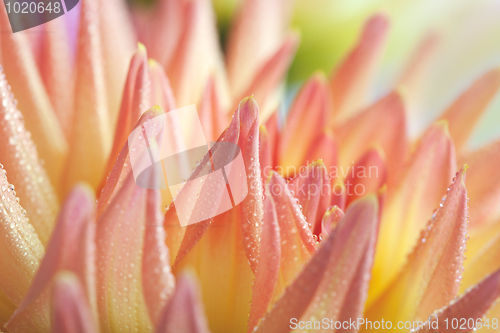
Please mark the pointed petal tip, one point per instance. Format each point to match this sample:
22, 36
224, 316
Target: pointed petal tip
141, 49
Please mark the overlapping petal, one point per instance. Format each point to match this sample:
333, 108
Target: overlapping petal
26, 169
431, 276
335, 281
411, 204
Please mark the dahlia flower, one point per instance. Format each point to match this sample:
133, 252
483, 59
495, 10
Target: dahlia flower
348, 217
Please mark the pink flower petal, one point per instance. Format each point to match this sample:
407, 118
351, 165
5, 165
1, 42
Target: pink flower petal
187, 71
21, 249
26, 170
91, 139
70, 311
267, 80
411, 204
464, 113
244, 131
484, 185
118, 45
212, 115
136, 99
312, 188
56, 72
430, 278
265, 152
268, 268
473, 305
340, 267
297, 242
184, 311
26, 82
71, 247
308, 113
352, 79
121, 168
259, 26
382, 124
367, 175
157, 279
324, 147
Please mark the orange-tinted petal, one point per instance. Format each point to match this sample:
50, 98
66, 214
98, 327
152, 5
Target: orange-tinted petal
352, 79
409, 206
324, 147
231, 237
24, 77
136, 99
267, 79
339, 193
259, 26
212, 115
467, 109
174, 232
484, 185
244, 131
157, 279
297, 242
312, 188
70, 309
307, 115
411, 78
164, 30
265, 153
382, 124
120, 249
71, 247
268, 268
162, 93
482, 262
21, 249
188, 72
19, 155
57, 73
431, 276
118, 45
184, 311
367, 175
340, 269
91, 135
121, 168
473, 305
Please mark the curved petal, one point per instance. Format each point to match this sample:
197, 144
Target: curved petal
432, 273
312, 188
26, 169
91, 138
21, 249
71, 247
184, 311
308, 113
71, 311
367, 175
268, 268
340, 269
464, 113
473, 305
27, 85
352, 79
324, 147
382, 124
157, 278
411, 204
